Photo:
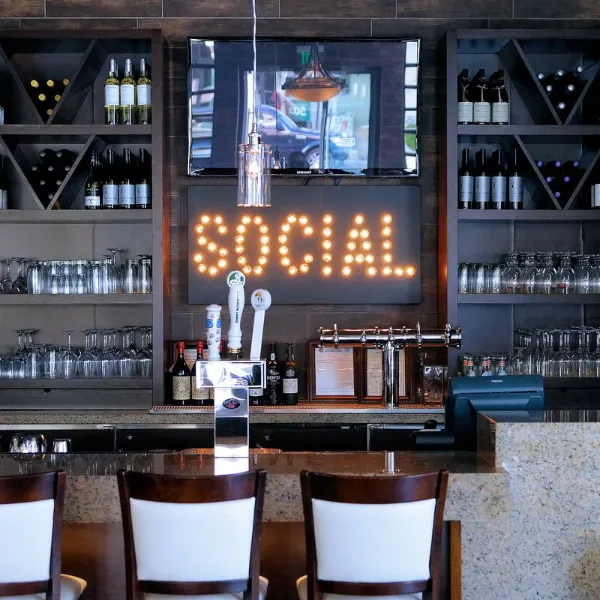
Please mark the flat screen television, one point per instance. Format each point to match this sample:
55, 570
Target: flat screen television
360, 117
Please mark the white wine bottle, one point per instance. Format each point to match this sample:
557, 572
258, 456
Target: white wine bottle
144, 96
127, 106
93, 185
111, 95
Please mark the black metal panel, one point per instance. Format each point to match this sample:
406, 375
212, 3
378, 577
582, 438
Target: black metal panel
343, 204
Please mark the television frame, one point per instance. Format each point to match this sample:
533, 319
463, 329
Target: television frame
335, 174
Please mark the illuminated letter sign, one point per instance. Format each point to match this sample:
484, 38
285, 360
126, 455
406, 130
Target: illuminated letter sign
322, 244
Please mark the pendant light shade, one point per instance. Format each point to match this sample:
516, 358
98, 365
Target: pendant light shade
254, 172
314, 83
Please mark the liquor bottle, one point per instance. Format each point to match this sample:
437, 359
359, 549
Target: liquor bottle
47, 156
290, 377
481, 181
110, 182
127, 104
3, 185
143, 195
498, 181
144, 96
481, 104
465, 182
273, 377
200, 396
126, 184
465, 105
515, 184
111, 95
499, 99
181, 379
93, 185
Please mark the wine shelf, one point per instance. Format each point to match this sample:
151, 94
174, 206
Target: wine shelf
70, 384
74, 299
75, 216
547, 299
536, 216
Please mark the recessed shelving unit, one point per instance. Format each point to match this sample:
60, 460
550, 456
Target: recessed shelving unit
59, 228
538, 132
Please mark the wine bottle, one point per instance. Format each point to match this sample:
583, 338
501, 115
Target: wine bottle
465, 182
35, 84
64, 156
50, 85
93, 185
144, 96
574, 78
200, 396
290, 378
481, 181
47, 156
515, 184
181, 378
110, 183
127, 104
499, 100
3, 185
111, 95
465, 105
498, 181
481, 104
273, 377
143, 196
126, 183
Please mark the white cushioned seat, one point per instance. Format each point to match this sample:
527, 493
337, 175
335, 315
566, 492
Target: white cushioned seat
301, 585
262, 594
71, 588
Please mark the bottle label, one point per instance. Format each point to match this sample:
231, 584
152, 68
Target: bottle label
144, 95
465, 112
127, 94
515, 192
189, 355
290, 386
199, 393
500, 112
181, 388
142, 194
482, 112
111, 95
127, 195
465, 191
92, 201
482, 191
498, 191
110, 194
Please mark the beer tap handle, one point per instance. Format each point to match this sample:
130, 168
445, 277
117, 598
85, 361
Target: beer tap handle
260, 300
447, 334
419, 335
363, 337
235, 281
336, 336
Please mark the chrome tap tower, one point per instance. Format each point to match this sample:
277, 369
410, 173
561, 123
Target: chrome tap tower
390, 341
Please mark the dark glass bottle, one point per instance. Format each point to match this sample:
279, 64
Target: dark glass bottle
143, 197
465, 104
290, 377
273, 377
499, 100
515, 183
465, 182
498, 181
93, 185
110, 182
181, 380
481, 181
47, 156
64, 156
127, 184
200, 396
478, 91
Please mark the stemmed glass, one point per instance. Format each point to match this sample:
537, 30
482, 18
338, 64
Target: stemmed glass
20, 284
565, 276
145, 355
528, 272
510, 275
89, 365
69, 359
580, 357
145, 274
544, 274
6, 282
108, 367
126, 355
582, 275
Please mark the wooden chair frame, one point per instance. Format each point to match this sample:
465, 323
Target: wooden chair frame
188, 490
374, 490
17, 489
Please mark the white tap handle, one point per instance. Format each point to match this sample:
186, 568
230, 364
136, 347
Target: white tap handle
213, 330
260, 300
235, 281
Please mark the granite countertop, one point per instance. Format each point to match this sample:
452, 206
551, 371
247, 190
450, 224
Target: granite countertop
313, 413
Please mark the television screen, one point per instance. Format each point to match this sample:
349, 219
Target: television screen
343, 107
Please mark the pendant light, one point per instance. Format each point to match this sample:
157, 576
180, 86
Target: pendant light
254, 166
314, 83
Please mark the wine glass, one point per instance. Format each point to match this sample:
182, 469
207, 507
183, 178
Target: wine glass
6, 283
20, 284
69, 359
88, 361
145, 355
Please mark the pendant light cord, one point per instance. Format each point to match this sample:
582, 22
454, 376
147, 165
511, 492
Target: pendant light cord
254, 61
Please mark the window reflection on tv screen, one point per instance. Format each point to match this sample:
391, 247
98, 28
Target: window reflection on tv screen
324, 107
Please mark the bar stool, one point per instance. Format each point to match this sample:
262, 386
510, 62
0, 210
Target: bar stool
372, 537
193, 536
31, 512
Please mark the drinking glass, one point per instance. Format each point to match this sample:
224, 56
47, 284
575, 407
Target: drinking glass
595, 274
580, 357
145, 274
69, 360
565, 276
494, 278
6, 282
544, 273
35, 278
95, 277
130, 276
582, 275
478, 278
52, 358
88, 361
528, 272
126, 355
511, 275
145, 355
20, 284
107, 359
463, 278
